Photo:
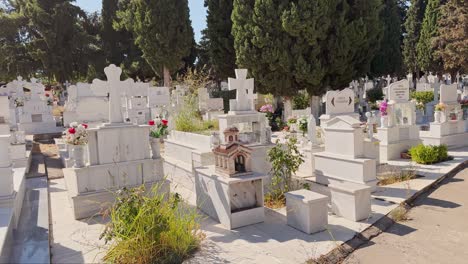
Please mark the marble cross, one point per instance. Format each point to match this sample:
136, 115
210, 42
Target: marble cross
116, 89
37, 89
17, 86
245, 95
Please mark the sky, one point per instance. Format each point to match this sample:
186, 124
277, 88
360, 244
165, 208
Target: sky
197, 13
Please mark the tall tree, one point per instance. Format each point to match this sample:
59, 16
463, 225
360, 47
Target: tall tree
429, 30
222, 56
452, 40
162, 30
112, 40
414, 18
262, 46
388, 59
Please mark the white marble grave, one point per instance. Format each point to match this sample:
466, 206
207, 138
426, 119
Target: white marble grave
118, 155
307, 211
449, 128
136, 108
210, 108
35, 117
400, 132
344, 158
338, 103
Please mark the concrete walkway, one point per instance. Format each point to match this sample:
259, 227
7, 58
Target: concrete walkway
436, 233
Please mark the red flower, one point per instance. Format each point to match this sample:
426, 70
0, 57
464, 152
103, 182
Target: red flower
151, 123
164, 122
85, 126
47, 95
71, 130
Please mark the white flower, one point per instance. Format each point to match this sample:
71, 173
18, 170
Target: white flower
74, 124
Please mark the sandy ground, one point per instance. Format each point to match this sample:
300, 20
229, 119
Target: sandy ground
436, 233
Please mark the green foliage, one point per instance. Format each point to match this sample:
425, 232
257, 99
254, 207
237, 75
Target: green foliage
413, 28
422, 98
285, 161
218, 37
388, 59
429, 30
452, 40
150, 228
162, 30
375, 94
189, 119
300, 101
429, 154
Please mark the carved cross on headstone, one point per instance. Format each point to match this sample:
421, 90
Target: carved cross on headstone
116, 89
17, 86
245, 95
37, 89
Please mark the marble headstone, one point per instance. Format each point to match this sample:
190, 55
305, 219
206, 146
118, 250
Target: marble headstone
340, 102
399, 91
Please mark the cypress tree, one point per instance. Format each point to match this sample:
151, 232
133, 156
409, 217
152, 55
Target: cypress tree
413, 24
262, 46
112, 40
429, 30
162, 30
452, 40
388, 59
220, 46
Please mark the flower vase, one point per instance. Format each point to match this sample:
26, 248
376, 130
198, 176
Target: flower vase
437, 116
155, 147
78, 156
384, 121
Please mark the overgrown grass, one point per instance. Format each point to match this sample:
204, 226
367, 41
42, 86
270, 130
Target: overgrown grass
189, 119
151, 228
399, 214
401, 176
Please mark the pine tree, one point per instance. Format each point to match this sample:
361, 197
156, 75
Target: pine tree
413, 24
162, 30
222, 56
388, 59
429, 30
452, 40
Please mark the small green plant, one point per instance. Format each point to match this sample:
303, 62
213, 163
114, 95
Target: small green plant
374, 95
300, 101
285, 161
150, 228
422, 98
399, 214
399, 176
429, 154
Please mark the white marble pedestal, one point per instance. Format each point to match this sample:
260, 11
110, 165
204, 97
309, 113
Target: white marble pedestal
450, 133
234, 202
307, 211
351, 201
394, 140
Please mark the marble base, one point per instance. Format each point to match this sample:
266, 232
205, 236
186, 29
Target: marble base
39, 128
10, 210
234, 202
92, 186
452, 141
334, 169
325, 118
307, 211
307, 168
20, 156
351, 201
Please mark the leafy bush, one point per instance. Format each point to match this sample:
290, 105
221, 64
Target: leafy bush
285, 161
374, 95
429, 154
300, 101
150, 228
422, 98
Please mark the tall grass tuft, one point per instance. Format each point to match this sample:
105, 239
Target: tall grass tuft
150, 228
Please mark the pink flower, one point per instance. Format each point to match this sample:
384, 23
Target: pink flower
71, 130
164, 122
85, 126
268, 108
151, 123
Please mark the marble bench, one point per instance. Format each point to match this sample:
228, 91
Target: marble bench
307, 211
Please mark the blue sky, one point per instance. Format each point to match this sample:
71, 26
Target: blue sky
197, 13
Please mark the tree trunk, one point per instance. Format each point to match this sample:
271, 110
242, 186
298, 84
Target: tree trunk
167, 77
287, 108
315, 106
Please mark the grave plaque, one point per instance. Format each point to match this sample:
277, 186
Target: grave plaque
340, 102
399, 91
36, 118
448, 93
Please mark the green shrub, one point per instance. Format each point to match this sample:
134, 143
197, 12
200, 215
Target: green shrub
374, 95
150, 228
429, 154
300, 101
422, 98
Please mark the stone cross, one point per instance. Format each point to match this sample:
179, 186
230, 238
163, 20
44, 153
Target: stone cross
389, 80
312, 129
37, 89
370, 125
17, 86
244, 92
116, 89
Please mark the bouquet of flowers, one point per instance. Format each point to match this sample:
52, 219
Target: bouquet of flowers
464, 103
383, 108
76, 134
440, 107
49, 100
302, 122
292, 120
158, 127
268, 108
19, 102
